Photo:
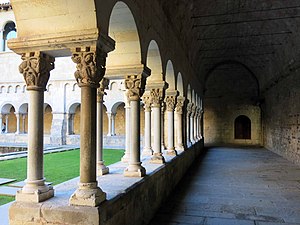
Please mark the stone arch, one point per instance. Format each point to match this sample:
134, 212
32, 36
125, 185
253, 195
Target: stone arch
170, 75
242, 127
154, 61
48, 116
9, 31
23, 111
9, 121
123, 29
17, 89
74, 118
113, 85
49, 87
2, 89
179, 85
9, 89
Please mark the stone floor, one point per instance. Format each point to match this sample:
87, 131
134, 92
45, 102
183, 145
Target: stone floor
234, 186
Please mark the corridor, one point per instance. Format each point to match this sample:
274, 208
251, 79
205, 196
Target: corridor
234, 186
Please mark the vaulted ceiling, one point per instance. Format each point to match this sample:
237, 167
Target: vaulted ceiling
261, 35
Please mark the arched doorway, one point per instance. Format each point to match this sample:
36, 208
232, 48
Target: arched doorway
242, 127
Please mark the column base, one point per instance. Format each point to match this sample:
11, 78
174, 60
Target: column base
147, 152
135, 170
102, 169
125, 158
157, 158
180, 148
88, 194
42, 193
172, 152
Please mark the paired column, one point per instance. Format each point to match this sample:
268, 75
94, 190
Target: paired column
147, 137
90, 70
170, 100
192, 123
135, 85
179, 130
162, 123
156, 99
36, 67
109, 115
23, 123
101, 168
188, 124
6, 123
126, 155
18, 123
196, 125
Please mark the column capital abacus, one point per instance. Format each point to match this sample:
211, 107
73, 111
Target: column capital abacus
101, 90
179, 105
147, 101
36, 67
90, 67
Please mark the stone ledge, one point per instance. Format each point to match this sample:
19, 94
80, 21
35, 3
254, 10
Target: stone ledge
129, 200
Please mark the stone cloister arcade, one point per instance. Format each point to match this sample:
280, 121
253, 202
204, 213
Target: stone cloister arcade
107, 40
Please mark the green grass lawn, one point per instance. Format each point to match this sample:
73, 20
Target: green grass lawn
58, 167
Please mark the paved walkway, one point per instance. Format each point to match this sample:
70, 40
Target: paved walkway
233, 186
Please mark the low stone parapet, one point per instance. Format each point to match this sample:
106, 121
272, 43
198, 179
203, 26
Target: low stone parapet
129, 200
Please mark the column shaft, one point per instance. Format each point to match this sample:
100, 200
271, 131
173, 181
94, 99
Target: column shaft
126, 156
18, 123
6, 123
109, 124
179, 131
147, 147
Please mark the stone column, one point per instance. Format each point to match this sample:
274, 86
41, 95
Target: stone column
126, 155
192, 124
101, 168
147, 143
109, 115
23, 122
36, 67
58, 129
196, 124
6, 123
188, 127
1, 123
18, 123
201, 124
170, 100
90, 70
135, 85
113, 131
162, 126
156, 99
179, 112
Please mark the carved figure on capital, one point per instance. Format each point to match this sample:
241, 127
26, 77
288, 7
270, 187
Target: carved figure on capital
90, 66
156, 96
101, 90
36, 67
179, 105
135, 86
170, 102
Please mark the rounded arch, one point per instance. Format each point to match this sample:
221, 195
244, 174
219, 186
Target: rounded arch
154, 61
189, 93
170, 75
48, 116
23, 109
72, 108
242, 127
115, 107
9, 31
232, 62
9, 89
113, 85
122, 28
5, 109
17, 89
179, 85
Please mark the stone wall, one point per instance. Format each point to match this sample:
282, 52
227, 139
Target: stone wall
281, 114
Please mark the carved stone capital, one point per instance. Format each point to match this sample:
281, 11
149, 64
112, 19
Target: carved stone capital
189, 108
36, 67
179, 105
156, 96
147, 102
135, 85
170, 102
101, 90
193, 110
90, 67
